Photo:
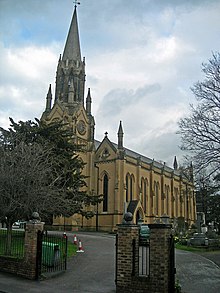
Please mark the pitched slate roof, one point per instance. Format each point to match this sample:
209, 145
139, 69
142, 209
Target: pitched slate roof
132, 206
144, 159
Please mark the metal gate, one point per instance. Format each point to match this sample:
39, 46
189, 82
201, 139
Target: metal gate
172, 269
116, 258
51, 253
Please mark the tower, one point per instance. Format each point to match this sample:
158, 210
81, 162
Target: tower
68, 104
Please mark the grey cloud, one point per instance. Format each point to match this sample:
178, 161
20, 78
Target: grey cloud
166, 145
106, 26
114, 102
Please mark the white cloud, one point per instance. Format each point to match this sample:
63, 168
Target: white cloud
142, 57
24, 84
30, 62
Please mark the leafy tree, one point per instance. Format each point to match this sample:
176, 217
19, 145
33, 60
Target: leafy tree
200, 132
40, 171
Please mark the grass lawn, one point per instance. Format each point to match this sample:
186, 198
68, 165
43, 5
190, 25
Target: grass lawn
17, 247
17, 243
190, 248
59, 240
71, 249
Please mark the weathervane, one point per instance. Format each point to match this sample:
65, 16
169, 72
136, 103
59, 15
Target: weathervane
76, 3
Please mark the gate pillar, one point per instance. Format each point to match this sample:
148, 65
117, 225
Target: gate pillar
159, 259
126, 252
31, 241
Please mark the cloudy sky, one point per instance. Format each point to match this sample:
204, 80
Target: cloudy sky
142, 57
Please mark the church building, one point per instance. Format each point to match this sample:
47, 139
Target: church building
128, 181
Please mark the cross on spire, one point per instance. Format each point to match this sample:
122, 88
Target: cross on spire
76, 3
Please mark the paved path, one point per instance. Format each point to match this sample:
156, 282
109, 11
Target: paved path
94, 272
196, 273
88, 272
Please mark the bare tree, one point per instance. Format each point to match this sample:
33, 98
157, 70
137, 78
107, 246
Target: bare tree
200, 132
26, 183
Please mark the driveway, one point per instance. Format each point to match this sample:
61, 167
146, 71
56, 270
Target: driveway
94, 271
88, 272
196, 273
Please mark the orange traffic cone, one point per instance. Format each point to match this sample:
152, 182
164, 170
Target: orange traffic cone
80, 249
74, 240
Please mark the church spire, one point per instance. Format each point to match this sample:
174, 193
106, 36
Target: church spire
49, 99
175, 164
120, 136
88, 102
72, 46
71, 69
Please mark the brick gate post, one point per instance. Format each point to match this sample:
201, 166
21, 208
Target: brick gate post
30, 257
127, 264
159, 257
127, 259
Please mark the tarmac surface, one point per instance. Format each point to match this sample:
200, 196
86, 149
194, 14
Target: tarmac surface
94, 271
198, 273
88, 272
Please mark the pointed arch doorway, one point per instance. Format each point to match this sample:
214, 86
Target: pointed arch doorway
139, 215
136, 209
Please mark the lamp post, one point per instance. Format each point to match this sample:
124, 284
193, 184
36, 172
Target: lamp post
97, 204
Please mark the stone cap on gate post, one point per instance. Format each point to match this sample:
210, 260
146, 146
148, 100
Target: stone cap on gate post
127, 219
34, 224
35, 218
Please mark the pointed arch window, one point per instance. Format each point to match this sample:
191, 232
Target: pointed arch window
157, 198
167, 190
144, 184
129, 187
105, 193
176, 192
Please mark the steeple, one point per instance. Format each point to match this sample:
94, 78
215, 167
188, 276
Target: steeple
71, 69
88, 102
72, 46
175, 164
191, 172
120, 136
49, 99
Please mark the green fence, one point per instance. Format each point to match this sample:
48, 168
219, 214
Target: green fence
12, 245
